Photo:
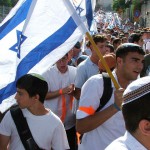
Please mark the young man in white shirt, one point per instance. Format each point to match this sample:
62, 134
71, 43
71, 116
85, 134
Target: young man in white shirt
46, 128
102, 127
136, 114
89, 67
59, 99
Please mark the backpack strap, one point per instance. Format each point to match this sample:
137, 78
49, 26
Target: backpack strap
23, 129
107, 92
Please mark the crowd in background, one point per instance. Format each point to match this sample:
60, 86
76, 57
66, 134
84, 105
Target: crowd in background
75, 87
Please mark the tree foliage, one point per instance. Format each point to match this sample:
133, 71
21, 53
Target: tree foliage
6, 3
137, 4
119, 4
9, 3
122, 4
14, 2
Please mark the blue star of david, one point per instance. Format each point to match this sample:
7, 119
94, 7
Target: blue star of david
79, 10
20, 39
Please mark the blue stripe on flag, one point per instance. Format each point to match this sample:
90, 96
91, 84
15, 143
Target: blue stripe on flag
89, 13
38, 53
16, 19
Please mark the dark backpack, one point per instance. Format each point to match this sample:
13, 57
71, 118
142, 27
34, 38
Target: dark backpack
107, 92
23, 129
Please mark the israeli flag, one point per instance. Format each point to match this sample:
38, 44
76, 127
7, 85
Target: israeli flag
51, 29
10, 28
85, 9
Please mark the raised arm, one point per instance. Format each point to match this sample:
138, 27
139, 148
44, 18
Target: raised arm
87, 117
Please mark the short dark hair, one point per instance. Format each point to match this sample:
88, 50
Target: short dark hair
136, 111
124, 38
111, 47
116, 40
33, 84
134, 37
112, 38
81, 58
77, 45
125, 48
99, 38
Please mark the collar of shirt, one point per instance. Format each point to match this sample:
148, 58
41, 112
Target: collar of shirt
132, 143
90, 62
55, 66
115, 76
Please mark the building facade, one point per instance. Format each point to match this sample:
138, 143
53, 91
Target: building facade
145, 14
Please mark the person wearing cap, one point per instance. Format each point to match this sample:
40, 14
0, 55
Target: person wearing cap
60, 78
136, 113
100, 128
46, 128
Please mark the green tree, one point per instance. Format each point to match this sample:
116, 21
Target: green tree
115, 5
118, 4
6, 3
14, 2
137, 4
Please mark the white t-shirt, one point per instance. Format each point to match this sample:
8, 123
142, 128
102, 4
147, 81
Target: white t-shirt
126, 142
88, 51
102, 136
85, 70
46, 130
56, 80
148, 46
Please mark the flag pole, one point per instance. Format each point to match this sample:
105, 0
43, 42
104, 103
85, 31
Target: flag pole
103, 60
81, 25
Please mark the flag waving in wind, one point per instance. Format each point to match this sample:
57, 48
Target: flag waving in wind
9, 34
85, 9
48, 34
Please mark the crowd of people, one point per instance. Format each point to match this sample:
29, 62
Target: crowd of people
61, 106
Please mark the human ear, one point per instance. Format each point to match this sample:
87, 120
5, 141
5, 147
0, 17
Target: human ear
119, 60
144, 127
36, 98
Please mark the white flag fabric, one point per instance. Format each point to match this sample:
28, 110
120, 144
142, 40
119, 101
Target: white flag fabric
85, 9
48, 34
9, 29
